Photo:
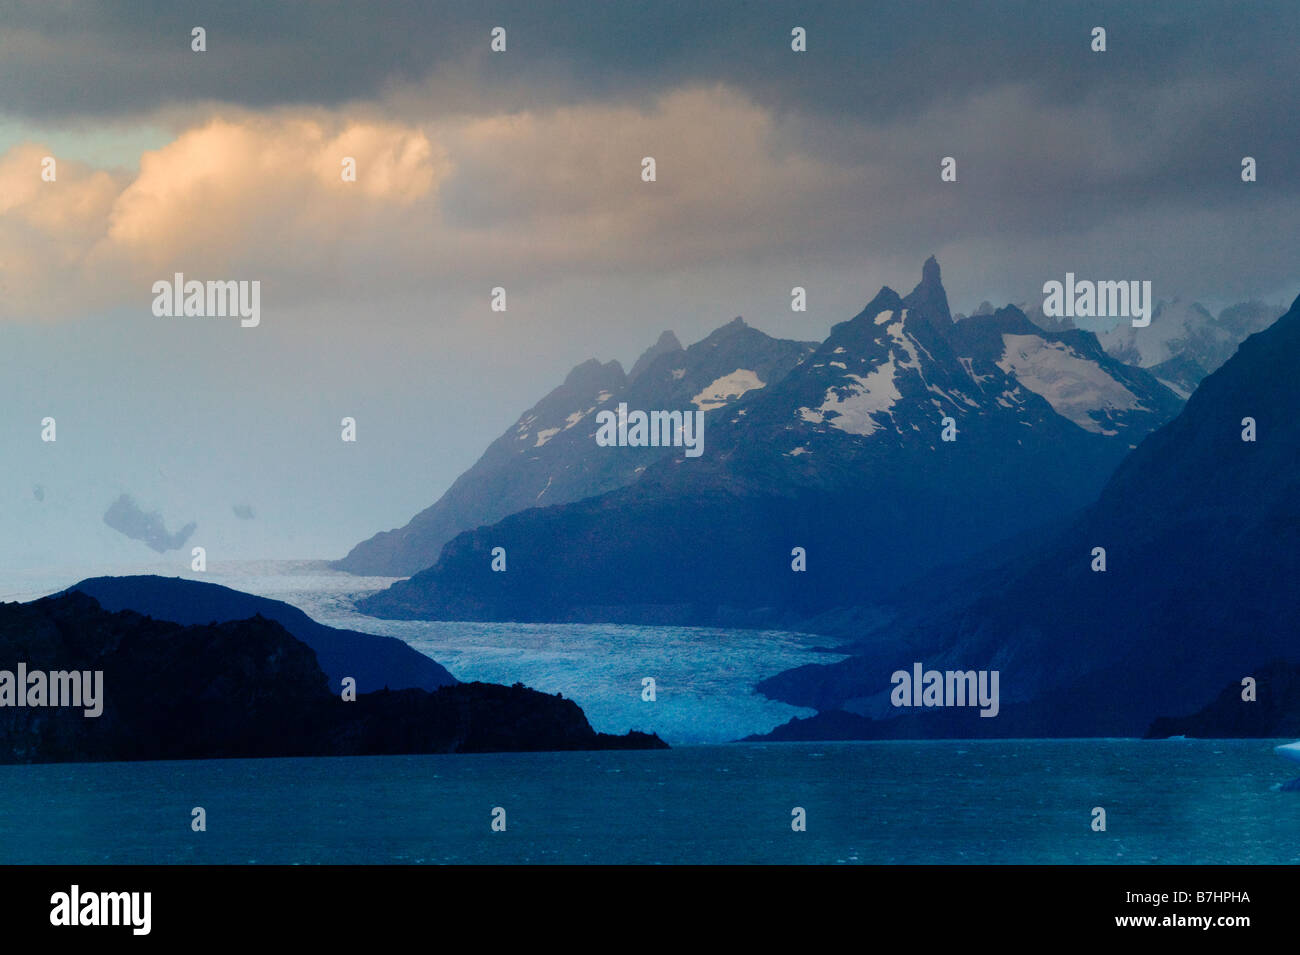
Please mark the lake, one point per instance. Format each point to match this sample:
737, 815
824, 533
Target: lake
1016, 801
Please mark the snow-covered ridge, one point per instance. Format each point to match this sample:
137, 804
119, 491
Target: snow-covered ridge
1073, 385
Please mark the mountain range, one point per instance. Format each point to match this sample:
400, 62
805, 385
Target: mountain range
1184, 342
1201, 531
836, 448
547, 456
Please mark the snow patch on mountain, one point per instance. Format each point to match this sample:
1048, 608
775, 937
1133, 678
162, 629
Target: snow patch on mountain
724, 389
545, 434
969, 365
577, 416
1174, 387
906, 343
1074, 386
851, 408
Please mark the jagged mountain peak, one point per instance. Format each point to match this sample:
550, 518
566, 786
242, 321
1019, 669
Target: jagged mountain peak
594, 372
730, 361
930, 272
891, 324
737, 326
929, 298
886, 299
667, 344
893, 372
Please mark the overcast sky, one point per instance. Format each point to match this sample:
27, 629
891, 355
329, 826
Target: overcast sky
522, 169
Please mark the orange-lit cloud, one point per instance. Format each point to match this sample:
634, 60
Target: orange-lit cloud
528, 194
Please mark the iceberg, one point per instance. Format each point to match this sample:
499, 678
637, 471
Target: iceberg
1289, 751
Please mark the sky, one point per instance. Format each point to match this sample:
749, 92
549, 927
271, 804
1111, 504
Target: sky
522, 169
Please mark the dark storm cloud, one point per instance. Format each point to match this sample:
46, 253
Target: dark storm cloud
1226, 65
868, 60
1133, 153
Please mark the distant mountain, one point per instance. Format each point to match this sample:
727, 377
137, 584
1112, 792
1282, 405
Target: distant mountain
842, 456
1202, 537
244, 688
374, 661
549, 457
666, 345
1183, 343
1273, 713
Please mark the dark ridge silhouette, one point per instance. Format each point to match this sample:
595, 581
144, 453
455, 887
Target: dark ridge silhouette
375, 662
248, 688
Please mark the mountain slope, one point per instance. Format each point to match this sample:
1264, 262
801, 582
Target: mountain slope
548, 456
1202, 538
374, 661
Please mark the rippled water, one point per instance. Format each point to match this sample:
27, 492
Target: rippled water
1167, 801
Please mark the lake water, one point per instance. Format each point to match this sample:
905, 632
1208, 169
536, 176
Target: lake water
1170, 801
1167, 801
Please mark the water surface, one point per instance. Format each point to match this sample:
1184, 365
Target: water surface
1166, 801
